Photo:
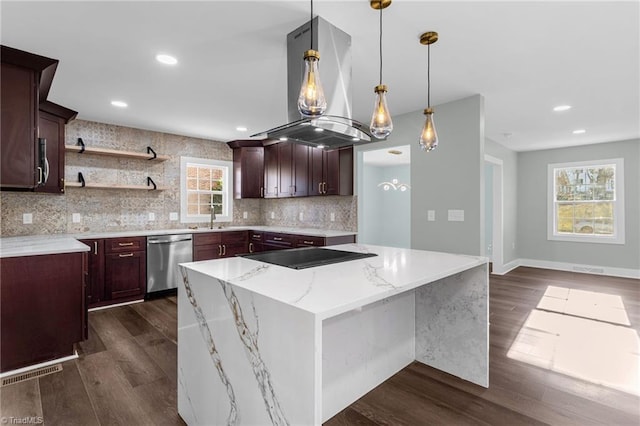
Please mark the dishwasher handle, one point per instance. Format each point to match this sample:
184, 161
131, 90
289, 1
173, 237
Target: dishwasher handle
167, 241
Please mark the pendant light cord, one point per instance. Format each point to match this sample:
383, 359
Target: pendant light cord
429, 76
311, 20
380, 41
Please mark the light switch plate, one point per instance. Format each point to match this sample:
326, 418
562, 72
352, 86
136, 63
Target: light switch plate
173, 216
456, 215
273, 215
301, 216
75, 218
152, 216
332, 217
27, 218
431, 215
245, 215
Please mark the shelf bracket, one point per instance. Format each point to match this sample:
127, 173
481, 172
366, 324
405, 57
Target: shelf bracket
80, 177
150, 181
81, 143
151, 151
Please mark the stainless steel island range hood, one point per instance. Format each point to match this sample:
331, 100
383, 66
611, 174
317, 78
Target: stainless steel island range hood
335, 128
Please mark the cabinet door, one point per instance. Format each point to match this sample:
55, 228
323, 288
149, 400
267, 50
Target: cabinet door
95, 277
207, 252
125, 274
316, 172
285, 169
18, 133
248, 163
332, 175
52, 130
271, 171
300, 171
42, 309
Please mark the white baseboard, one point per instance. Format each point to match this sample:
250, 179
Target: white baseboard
569, 267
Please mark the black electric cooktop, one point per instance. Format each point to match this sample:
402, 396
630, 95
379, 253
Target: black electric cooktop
306, 257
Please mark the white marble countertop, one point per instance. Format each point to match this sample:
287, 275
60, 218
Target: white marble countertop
34, 245
330, 290
39, 245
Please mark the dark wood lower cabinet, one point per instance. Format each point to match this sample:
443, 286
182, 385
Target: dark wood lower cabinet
42, 309
216, 245
125, 274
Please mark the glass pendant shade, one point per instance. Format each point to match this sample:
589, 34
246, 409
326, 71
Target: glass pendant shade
429, 136
311, 102
381, 124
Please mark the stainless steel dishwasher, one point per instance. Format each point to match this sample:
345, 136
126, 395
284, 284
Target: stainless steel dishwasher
164, 253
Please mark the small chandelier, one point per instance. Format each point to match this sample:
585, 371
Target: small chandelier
311, 101
381, 124
395, 185
429, 136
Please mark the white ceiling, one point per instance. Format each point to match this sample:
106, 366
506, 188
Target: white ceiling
523, 57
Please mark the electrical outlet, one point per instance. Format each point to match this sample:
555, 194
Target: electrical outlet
273, 215
27, 218
152, 216
245, 215
431, 215
301, 216
75, 218
513, 246
173, 216
332, 217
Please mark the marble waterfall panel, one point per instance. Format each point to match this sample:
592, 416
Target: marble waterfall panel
364, 347
244, 358
452, 325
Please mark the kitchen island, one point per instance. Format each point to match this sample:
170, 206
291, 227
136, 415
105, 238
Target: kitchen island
265, 344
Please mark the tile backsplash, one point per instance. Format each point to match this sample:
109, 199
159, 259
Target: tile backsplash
104, 210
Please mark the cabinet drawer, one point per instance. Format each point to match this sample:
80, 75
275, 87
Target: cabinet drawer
306, 241
129, 244
206, 239
280, 240
233, 237
255, 237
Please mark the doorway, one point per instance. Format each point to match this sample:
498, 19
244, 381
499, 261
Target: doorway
493, 202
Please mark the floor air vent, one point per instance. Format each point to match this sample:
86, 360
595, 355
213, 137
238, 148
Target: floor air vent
31, 374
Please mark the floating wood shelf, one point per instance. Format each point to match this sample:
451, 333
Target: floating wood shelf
115, 153
150, 186
110, 186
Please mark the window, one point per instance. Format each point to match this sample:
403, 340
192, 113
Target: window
205, 184
586, 201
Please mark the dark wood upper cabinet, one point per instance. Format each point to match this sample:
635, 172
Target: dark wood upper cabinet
293, 169
271, 170
26, 80
248, 169
331, 172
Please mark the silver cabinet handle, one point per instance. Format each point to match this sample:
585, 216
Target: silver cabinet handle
40, 182
250, 247
262, 191
219, 250
277, 239
95, 247
320, 188
307, 242
224, 250
125, 244
126, 255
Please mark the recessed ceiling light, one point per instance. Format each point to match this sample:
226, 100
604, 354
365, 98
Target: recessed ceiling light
355, 139
319, 129
166, 59
284, 138
579, 131
241, 129
119, 104
561, 108
320, 146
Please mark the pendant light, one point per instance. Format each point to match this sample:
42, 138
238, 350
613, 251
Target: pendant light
429, 136
311, 101
381, 124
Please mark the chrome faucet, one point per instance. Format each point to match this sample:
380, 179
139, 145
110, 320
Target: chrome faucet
213, 216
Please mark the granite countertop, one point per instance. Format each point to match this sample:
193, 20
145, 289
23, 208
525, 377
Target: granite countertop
332, 289
34, 245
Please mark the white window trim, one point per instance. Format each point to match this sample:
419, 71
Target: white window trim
618, 236
227, 196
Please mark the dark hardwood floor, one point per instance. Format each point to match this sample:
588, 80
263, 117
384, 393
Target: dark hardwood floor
126, 373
